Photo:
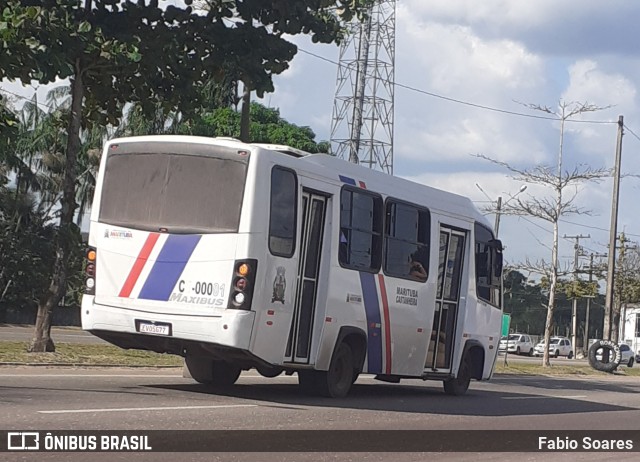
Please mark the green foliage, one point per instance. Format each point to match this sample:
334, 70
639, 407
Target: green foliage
527, 303
266, 127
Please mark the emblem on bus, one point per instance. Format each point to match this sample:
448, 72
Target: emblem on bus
279, 285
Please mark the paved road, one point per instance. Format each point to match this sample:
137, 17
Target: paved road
147, 399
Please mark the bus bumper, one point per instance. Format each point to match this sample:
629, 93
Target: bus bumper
229, 328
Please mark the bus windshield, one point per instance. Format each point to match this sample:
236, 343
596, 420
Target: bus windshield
178, 188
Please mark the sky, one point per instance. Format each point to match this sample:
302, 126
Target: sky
500, 54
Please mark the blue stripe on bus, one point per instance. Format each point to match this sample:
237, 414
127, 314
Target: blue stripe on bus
374, 322
346, 179
169, 266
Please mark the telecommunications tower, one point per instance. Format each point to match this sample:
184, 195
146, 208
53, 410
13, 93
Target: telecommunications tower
362, 122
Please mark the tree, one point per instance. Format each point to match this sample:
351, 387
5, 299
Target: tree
563, 187
266, 127
114, 52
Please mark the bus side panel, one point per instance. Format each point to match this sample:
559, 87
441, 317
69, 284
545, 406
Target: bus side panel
273, 304
410, 316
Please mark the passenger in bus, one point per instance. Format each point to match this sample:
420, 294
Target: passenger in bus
416, 270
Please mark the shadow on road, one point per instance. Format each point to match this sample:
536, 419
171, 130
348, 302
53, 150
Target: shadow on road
420, 399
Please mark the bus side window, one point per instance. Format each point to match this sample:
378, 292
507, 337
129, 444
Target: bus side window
360, 240
282, 212
488, 255
406, 241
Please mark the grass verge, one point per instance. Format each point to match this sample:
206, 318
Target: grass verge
560, 369
77, 354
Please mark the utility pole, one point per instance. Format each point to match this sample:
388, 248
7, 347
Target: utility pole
574, 312
498, 211
585, 343
613, 232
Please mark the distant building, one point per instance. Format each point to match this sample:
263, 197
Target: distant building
630, 326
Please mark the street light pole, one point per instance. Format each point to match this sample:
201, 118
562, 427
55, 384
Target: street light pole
498, 210
496, 229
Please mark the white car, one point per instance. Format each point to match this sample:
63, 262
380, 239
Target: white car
519, 344
558, 346
626, 355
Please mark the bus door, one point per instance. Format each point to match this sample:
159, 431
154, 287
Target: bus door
314, 208
440, 352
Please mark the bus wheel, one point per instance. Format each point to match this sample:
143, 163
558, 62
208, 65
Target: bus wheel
337, 381
460, 384
198, 368
224, 374
269, 371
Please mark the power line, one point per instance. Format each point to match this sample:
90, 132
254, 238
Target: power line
25, 98
631, 131
467, 103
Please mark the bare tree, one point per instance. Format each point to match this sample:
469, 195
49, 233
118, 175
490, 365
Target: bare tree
563, 187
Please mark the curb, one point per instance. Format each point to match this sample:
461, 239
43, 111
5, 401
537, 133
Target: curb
89, 365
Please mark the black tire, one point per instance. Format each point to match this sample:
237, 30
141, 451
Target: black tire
211, 372
603, 345
531, 352
518, 351
337, 381
224, 374
459, 385
269, 371
570, 355
556, 354
630, 363
200, 368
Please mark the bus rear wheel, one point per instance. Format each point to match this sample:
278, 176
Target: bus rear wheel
211, 372
224, 374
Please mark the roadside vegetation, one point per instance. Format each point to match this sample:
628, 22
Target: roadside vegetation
107, 355
85, 355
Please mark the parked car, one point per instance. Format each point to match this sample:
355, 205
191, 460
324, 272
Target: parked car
558, 346
626, 355
519, 344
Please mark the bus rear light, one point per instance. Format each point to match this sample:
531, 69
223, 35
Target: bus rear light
243, 269
244, 279
241, 284
90, 271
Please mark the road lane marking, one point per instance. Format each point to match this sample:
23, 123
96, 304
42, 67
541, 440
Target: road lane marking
544, 397
129, 409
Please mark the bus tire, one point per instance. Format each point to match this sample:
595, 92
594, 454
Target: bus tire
269, 371
459, 385
199, 368
337, 381
614, 350
224, 374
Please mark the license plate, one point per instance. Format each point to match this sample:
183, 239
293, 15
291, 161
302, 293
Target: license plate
154, 328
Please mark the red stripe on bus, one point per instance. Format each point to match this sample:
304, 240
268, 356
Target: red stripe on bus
134, 274
387, 324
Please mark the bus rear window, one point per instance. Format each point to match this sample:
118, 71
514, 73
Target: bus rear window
183, 188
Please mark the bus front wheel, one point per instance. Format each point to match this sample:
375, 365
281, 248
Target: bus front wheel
337, 381
460, 384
